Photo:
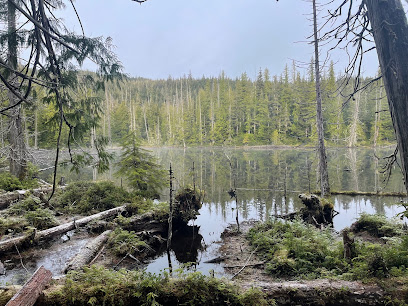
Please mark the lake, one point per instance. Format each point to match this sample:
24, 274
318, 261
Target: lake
261, 176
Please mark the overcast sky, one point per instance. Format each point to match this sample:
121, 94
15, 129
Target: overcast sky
173, 37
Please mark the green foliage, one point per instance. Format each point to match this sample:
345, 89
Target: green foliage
143, 174
294, 249
12, 225
122, 242
100, 286
9, 182
377, 225
297, 249
29, 204
41, 218
86, 197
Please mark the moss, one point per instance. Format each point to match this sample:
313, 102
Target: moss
377, 225
187, 204
12, 225
100, 286
29, 204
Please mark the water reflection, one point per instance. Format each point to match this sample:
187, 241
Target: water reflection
268, 182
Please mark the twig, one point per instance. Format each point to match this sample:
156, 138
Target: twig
246, 264
21, 258
97, 255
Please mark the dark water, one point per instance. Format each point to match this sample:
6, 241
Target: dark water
261, 177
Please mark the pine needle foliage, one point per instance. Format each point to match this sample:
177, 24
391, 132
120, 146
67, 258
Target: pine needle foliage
143, 174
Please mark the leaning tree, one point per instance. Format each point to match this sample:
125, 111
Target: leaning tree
41, 51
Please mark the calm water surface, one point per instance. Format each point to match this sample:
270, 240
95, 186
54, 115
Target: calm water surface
261, 177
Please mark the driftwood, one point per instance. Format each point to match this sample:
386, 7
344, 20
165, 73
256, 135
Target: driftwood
87, 253
50, 233
29, 293
217, 259
321, 292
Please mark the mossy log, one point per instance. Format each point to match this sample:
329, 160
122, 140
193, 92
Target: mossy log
87, 253
10, 244
9, 197
322, 292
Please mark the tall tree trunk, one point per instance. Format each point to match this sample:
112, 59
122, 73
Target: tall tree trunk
354, 124
18, 150
324, 175
390, 30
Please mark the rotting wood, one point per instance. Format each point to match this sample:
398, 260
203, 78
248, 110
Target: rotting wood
217, 259
9, 244
29, 293
87, 253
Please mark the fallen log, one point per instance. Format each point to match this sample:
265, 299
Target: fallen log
321, 292
47, 234
9, 197
29, 293
87, 253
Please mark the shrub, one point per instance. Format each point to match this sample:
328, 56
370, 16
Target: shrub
41, 218
377, 225
11, 225
29, 204
100, 286
297, 249
9, 182
85, 197
122, 242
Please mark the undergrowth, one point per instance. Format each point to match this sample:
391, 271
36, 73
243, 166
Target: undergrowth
86, 197
122, 242
295, 249
377, 225
99, 286
9, 182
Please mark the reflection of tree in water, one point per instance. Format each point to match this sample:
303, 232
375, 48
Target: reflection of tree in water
186, 243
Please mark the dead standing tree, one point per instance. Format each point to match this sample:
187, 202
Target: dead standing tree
324, 174
367, 25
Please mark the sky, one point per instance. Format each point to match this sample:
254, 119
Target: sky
175, 37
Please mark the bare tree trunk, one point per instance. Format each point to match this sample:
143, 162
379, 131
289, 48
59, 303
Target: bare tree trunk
390, 30
36, 128
354, 124
18, 151
324, 175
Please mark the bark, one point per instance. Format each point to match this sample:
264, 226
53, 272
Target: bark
18, 150
324, 174
390, 30
8, 245
87, 253
29, 293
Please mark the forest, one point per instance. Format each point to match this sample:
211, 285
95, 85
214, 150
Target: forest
220, 111
237, 202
